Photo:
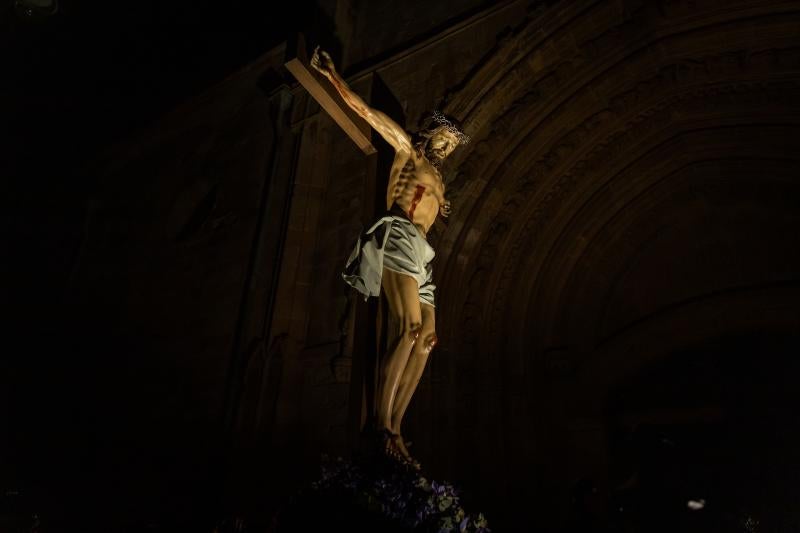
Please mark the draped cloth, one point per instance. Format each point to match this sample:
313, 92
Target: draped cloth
395, 243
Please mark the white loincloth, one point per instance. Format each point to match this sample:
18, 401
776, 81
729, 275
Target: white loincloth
393, 242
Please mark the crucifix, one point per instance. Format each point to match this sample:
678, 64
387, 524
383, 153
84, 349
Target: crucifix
392, 259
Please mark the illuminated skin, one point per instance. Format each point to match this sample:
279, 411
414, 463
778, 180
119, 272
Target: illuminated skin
416, 187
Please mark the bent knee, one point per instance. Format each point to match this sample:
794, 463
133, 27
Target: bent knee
428, 329
426, 338
410, 330
429, 340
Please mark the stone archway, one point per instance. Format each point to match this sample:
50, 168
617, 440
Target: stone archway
595, 123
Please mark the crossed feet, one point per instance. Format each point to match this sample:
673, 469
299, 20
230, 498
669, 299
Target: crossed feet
395, 448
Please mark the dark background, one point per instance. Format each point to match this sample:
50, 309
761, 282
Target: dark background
106, 395
95, 72
74, 84
102, 69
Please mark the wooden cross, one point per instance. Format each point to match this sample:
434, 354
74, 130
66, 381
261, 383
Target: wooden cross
328, 98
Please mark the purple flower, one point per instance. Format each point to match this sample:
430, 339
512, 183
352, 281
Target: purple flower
401, 496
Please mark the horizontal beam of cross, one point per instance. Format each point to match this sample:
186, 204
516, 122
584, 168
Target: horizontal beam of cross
323, 92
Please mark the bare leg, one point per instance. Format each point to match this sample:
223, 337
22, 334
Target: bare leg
402, 295
413, 371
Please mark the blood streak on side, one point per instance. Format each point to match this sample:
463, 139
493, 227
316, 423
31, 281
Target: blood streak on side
417, 197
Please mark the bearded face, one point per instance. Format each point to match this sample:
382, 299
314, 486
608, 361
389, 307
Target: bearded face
440, 145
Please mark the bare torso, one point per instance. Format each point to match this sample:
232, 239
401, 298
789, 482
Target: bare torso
416, 186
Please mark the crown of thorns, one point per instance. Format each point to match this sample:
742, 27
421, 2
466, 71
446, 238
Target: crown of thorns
442, 120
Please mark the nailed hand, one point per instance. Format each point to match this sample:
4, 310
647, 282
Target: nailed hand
322, 62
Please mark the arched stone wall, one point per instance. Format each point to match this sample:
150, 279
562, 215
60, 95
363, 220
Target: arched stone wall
615, 144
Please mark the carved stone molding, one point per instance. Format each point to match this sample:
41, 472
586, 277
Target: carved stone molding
539, 67
667, 84
521, 257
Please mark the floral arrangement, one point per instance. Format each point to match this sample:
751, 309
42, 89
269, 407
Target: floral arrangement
402, 496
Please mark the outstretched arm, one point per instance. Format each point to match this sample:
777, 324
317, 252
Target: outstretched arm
385, 126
